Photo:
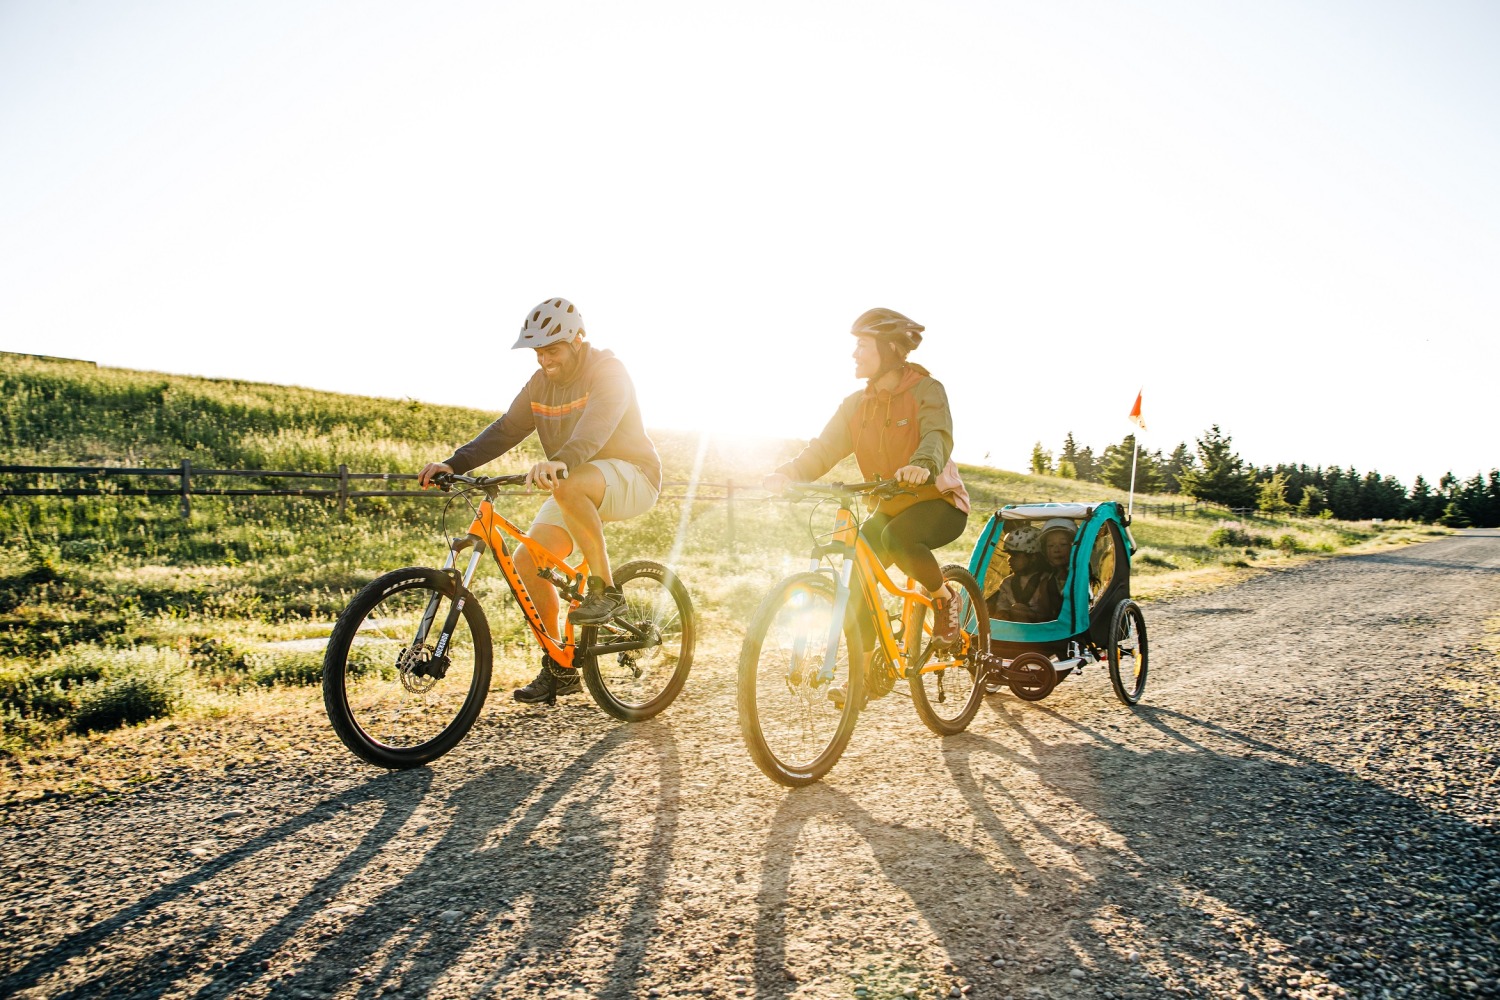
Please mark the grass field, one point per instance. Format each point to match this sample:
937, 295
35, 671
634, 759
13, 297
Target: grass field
113, 609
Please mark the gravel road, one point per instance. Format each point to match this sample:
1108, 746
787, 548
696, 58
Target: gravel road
1305, 805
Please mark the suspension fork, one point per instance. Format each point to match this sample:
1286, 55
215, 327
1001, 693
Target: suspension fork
460, 597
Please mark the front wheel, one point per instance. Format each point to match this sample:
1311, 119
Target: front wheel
636, 684
947, 686
1127, 652
798, 704
393, 696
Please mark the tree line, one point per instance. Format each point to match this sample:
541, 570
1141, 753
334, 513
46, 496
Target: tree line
1213, 471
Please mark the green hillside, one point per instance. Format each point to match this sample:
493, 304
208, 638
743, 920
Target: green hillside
111, 598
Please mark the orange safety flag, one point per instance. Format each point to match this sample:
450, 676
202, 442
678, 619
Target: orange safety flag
1135, 413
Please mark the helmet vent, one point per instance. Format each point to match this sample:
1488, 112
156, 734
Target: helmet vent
570, 307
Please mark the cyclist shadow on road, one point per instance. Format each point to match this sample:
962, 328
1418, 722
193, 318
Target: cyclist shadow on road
1222, 833
947, 882
527, 861
396, 796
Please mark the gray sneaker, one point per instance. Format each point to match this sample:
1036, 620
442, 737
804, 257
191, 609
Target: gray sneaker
945, 624
599, 605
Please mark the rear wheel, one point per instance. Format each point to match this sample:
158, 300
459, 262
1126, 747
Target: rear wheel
794, 730
1127, 652
637, 684
950, 685
395, 701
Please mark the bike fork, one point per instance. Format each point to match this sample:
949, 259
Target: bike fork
840, 605
451, 621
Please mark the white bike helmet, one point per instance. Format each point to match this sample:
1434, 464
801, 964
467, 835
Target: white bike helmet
552, 322
1023, 539
1059, 524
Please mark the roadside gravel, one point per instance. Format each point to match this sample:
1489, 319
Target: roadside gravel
1304, 806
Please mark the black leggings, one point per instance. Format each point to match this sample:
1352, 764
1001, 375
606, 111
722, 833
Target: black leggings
908, 539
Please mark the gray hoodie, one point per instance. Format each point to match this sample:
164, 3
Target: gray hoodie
594, 415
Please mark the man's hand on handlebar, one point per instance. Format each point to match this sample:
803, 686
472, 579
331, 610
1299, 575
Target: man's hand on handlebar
424, 478
775, 483
547, 474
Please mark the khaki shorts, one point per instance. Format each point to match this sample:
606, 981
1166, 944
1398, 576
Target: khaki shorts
627, 493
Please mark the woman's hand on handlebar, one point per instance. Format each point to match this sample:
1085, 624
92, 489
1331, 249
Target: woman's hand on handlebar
775, 483
547, 474
912, 475
424, 478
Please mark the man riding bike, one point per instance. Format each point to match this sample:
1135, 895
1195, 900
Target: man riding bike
600, 466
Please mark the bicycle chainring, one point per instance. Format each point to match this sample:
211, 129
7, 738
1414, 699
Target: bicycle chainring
881, 678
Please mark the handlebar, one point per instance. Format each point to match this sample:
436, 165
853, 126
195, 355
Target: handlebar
443, 480
883, 488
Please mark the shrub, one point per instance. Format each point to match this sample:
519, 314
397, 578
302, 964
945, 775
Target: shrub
126, 701
49, 689
298, 669
14, 589
1229, 536
1152, 557
1288, 544
1225, 537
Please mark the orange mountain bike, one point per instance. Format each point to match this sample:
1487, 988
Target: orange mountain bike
800, 689
408, 664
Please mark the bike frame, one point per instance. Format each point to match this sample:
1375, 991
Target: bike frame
488, 531
849, 541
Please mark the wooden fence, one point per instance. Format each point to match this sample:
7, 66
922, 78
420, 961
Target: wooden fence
340, 489
342, 482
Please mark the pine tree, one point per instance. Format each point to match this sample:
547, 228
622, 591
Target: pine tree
1272, 495
1085, 465
1115, 468
1220, 475
1312, 502
1041, 460
1069, 453
1419, 504
1175, 465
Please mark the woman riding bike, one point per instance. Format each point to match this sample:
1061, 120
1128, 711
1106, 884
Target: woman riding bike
898, 427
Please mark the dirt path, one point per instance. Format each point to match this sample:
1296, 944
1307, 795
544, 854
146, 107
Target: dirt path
1305, 805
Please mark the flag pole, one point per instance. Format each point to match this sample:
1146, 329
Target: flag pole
1135, 438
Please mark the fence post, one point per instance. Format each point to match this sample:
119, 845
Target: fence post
343, 488
186, 503
729, 506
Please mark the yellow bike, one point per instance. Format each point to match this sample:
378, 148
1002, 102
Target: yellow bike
800, 689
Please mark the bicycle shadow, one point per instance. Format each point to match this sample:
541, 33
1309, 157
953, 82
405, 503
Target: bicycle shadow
946, 881
522, 891
396, 794
1300, 864
504, 875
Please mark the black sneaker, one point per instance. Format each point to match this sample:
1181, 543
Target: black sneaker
599, 606
551, 682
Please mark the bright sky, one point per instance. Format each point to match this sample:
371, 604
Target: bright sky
1281, 217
